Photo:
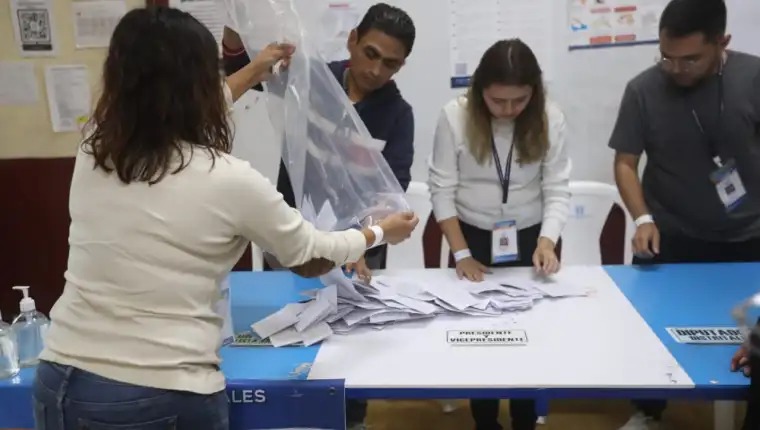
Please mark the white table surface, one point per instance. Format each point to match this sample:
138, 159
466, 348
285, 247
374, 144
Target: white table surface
596, 342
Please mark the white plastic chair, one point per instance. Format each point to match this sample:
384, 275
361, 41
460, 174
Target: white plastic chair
409, 253
590, 206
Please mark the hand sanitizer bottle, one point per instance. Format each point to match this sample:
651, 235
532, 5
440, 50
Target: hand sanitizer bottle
8, 351
30, 327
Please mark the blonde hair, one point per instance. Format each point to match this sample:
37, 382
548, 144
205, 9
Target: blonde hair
508, 62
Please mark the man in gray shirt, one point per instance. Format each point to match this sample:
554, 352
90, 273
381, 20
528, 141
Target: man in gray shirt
696, 115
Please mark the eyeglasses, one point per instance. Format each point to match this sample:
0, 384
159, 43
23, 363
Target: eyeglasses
669, 64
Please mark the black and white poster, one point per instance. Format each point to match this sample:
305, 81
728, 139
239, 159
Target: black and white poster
33, 27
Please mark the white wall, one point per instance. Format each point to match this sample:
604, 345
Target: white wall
587, 84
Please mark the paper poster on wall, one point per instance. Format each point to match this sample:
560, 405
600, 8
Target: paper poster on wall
337, 23
33, 27
95, 20
476, 25
69, 97
208, 12
18, 83
473, 27
610, 23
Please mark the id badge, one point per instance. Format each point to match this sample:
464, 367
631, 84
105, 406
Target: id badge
504, 242
729, 185
224, 310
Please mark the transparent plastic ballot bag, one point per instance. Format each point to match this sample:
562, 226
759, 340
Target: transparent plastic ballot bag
339, 176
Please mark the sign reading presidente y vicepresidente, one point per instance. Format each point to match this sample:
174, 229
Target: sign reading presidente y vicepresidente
487, 337
707, 335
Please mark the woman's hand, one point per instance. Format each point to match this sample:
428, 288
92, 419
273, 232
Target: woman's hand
398, 227
266, 59
361, 270
544, 258
471, 269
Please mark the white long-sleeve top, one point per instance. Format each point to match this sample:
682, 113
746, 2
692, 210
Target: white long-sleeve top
460, 187
146, 262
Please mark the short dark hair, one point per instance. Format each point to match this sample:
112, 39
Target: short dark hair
390, 20
162, 92
683, 18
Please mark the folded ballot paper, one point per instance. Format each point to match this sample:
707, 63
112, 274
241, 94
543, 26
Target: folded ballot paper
345, 304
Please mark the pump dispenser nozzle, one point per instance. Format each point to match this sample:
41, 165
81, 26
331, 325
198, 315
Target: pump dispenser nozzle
27, 303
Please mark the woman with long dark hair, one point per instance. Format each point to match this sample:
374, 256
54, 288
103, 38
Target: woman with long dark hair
499, 181
160, 213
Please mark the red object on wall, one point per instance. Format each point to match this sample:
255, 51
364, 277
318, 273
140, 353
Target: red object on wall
34, 230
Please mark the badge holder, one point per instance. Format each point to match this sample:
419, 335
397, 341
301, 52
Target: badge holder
728, 184
504, 242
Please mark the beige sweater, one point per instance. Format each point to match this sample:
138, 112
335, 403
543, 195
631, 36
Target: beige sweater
146, 262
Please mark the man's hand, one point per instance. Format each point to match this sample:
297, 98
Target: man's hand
313, 268
740, 361
646, 241
361, 270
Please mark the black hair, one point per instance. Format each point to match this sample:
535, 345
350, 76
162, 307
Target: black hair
390, 20
683, 18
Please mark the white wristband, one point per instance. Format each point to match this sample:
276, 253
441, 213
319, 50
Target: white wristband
644, 219
379, 233
462, 254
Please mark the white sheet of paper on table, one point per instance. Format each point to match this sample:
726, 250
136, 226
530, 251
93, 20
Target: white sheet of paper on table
278, 321
315, 311
316, 333
286, 337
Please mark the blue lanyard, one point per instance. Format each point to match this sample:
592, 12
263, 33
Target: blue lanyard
503, 175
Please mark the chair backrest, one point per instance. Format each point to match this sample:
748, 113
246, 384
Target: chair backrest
596, 228
409, 253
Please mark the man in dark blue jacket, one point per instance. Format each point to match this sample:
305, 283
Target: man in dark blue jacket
378, 48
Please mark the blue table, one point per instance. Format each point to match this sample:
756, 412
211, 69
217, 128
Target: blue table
693, 295
665, 296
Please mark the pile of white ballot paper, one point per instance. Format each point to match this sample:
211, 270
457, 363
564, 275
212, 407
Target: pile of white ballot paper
343, 305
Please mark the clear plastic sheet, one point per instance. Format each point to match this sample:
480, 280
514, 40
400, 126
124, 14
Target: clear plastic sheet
339, 176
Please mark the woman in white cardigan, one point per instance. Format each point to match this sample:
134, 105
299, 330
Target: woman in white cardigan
160, 212
499, 181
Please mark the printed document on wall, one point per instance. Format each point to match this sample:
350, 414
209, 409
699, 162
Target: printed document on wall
337, 23
69, 97
33, 27
604, 23
18, 83
473, 27
94, 21
476, 25
208, 12
531, 22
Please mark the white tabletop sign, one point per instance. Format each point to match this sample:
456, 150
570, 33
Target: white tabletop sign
707, 335
487, 337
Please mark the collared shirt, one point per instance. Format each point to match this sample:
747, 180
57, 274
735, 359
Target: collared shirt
680, 130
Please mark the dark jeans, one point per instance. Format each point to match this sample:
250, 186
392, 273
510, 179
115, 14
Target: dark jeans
682, 249
485, 412
66, 398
